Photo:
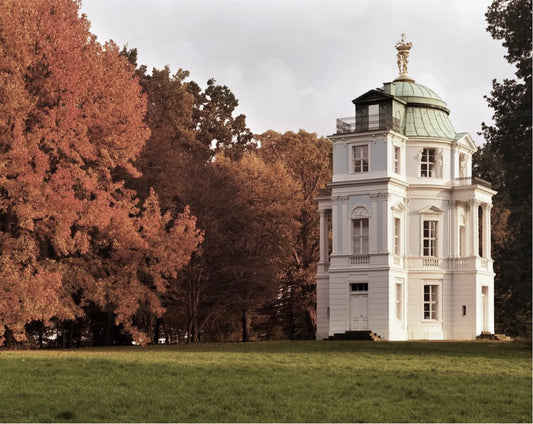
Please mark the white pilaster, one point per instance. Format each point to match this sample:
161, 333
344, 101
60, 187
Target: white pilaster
335, 225
486, 230
323, 226
373, 242
346, 225
474, 228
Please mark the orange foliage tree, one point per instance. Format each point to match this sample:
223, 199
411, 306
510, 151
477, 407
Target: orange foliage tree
71, 119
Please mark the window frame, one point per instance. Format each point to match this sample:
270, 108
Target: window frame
432, 238
399, 299
397, 224
362, 160
397, 160
427, 161
432, 299
361, 237
359, 287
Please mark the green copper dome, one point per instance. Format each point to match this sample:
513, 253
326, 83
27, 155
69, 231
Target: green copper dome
426, 114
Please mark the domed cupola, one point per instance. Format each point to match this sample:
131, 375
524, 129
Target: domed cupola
404, 106
426, 114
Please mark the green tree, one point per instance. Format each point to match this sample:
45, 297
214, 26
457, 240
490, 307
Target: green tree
505, 159
217, 129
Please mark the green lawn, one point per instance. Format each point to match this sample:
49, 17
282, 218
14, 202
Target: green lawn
271, 382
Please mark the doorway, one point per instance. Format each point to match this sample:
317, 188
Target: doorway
359, 312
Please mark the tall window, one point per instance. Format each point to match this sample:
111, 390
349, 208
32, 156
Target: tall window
397, 168
427, 163
397, 239
360, 158
429, 238
360, 236
399, 301
373, 117
431, 301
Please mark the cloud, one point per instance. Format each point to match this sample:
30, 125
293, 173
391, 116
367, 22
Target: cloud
299, 63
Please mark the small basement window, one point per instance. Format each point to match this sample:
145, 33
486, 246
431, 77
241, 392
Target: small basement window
359, 287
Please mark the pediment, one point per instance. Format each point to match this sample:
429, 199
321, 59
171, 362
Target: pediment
465, 140
431, 210
372, 96
399, 207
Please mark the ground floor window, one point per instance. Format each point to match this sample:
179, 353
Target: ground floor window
399, 301
431, 301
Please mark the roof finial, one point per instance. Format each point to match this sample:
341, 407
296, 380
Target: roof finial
403, 59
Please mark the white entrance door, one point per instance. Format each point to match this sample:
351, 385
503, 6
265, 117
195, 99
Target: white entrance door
359, 312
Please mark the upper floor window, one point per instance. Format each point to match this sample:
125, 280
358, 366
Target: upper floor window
373, 117
360, 158
397, 153
360, 236
427, 163
397, 230
429, 238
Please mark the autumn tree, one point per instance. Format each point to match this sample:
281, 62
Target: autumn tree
246, 209
506, 161
71, 117
307, 159
190, 126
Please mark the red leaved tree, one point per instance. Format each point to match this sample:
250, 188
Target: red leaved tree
71, 117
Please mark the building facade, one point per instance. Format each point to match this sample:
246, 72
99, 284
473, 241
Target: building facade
404, 226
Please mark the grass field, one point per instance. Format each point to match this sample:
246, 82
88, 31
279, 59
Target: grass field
270, 382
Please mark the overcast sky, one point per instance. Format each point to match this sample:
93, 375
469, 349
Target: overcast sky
298, 64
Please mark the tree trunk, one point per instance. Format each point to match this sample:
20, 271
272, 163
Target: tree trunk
41, 330
245, 337
108, 329
9, 339
193, 302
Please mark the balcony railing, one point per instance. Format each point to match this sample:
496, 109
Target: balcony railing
421, 263
451, 264
469, 181
367, 123
360, 259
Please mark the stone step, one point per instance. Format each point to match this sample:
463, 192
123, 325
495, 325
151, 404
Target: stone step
485, 335
355, 335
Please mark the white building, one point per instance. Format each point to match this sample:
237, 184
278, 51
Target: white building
405, 227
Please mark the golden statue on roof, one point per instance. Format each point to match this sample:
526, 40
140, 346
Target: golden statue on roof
403, 56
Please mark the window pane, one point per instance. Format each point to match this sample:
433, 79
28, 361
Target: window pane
360, 236
364, 245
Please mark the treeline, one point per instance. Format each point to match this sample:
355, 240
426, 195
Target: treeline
138, 206
505, 160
